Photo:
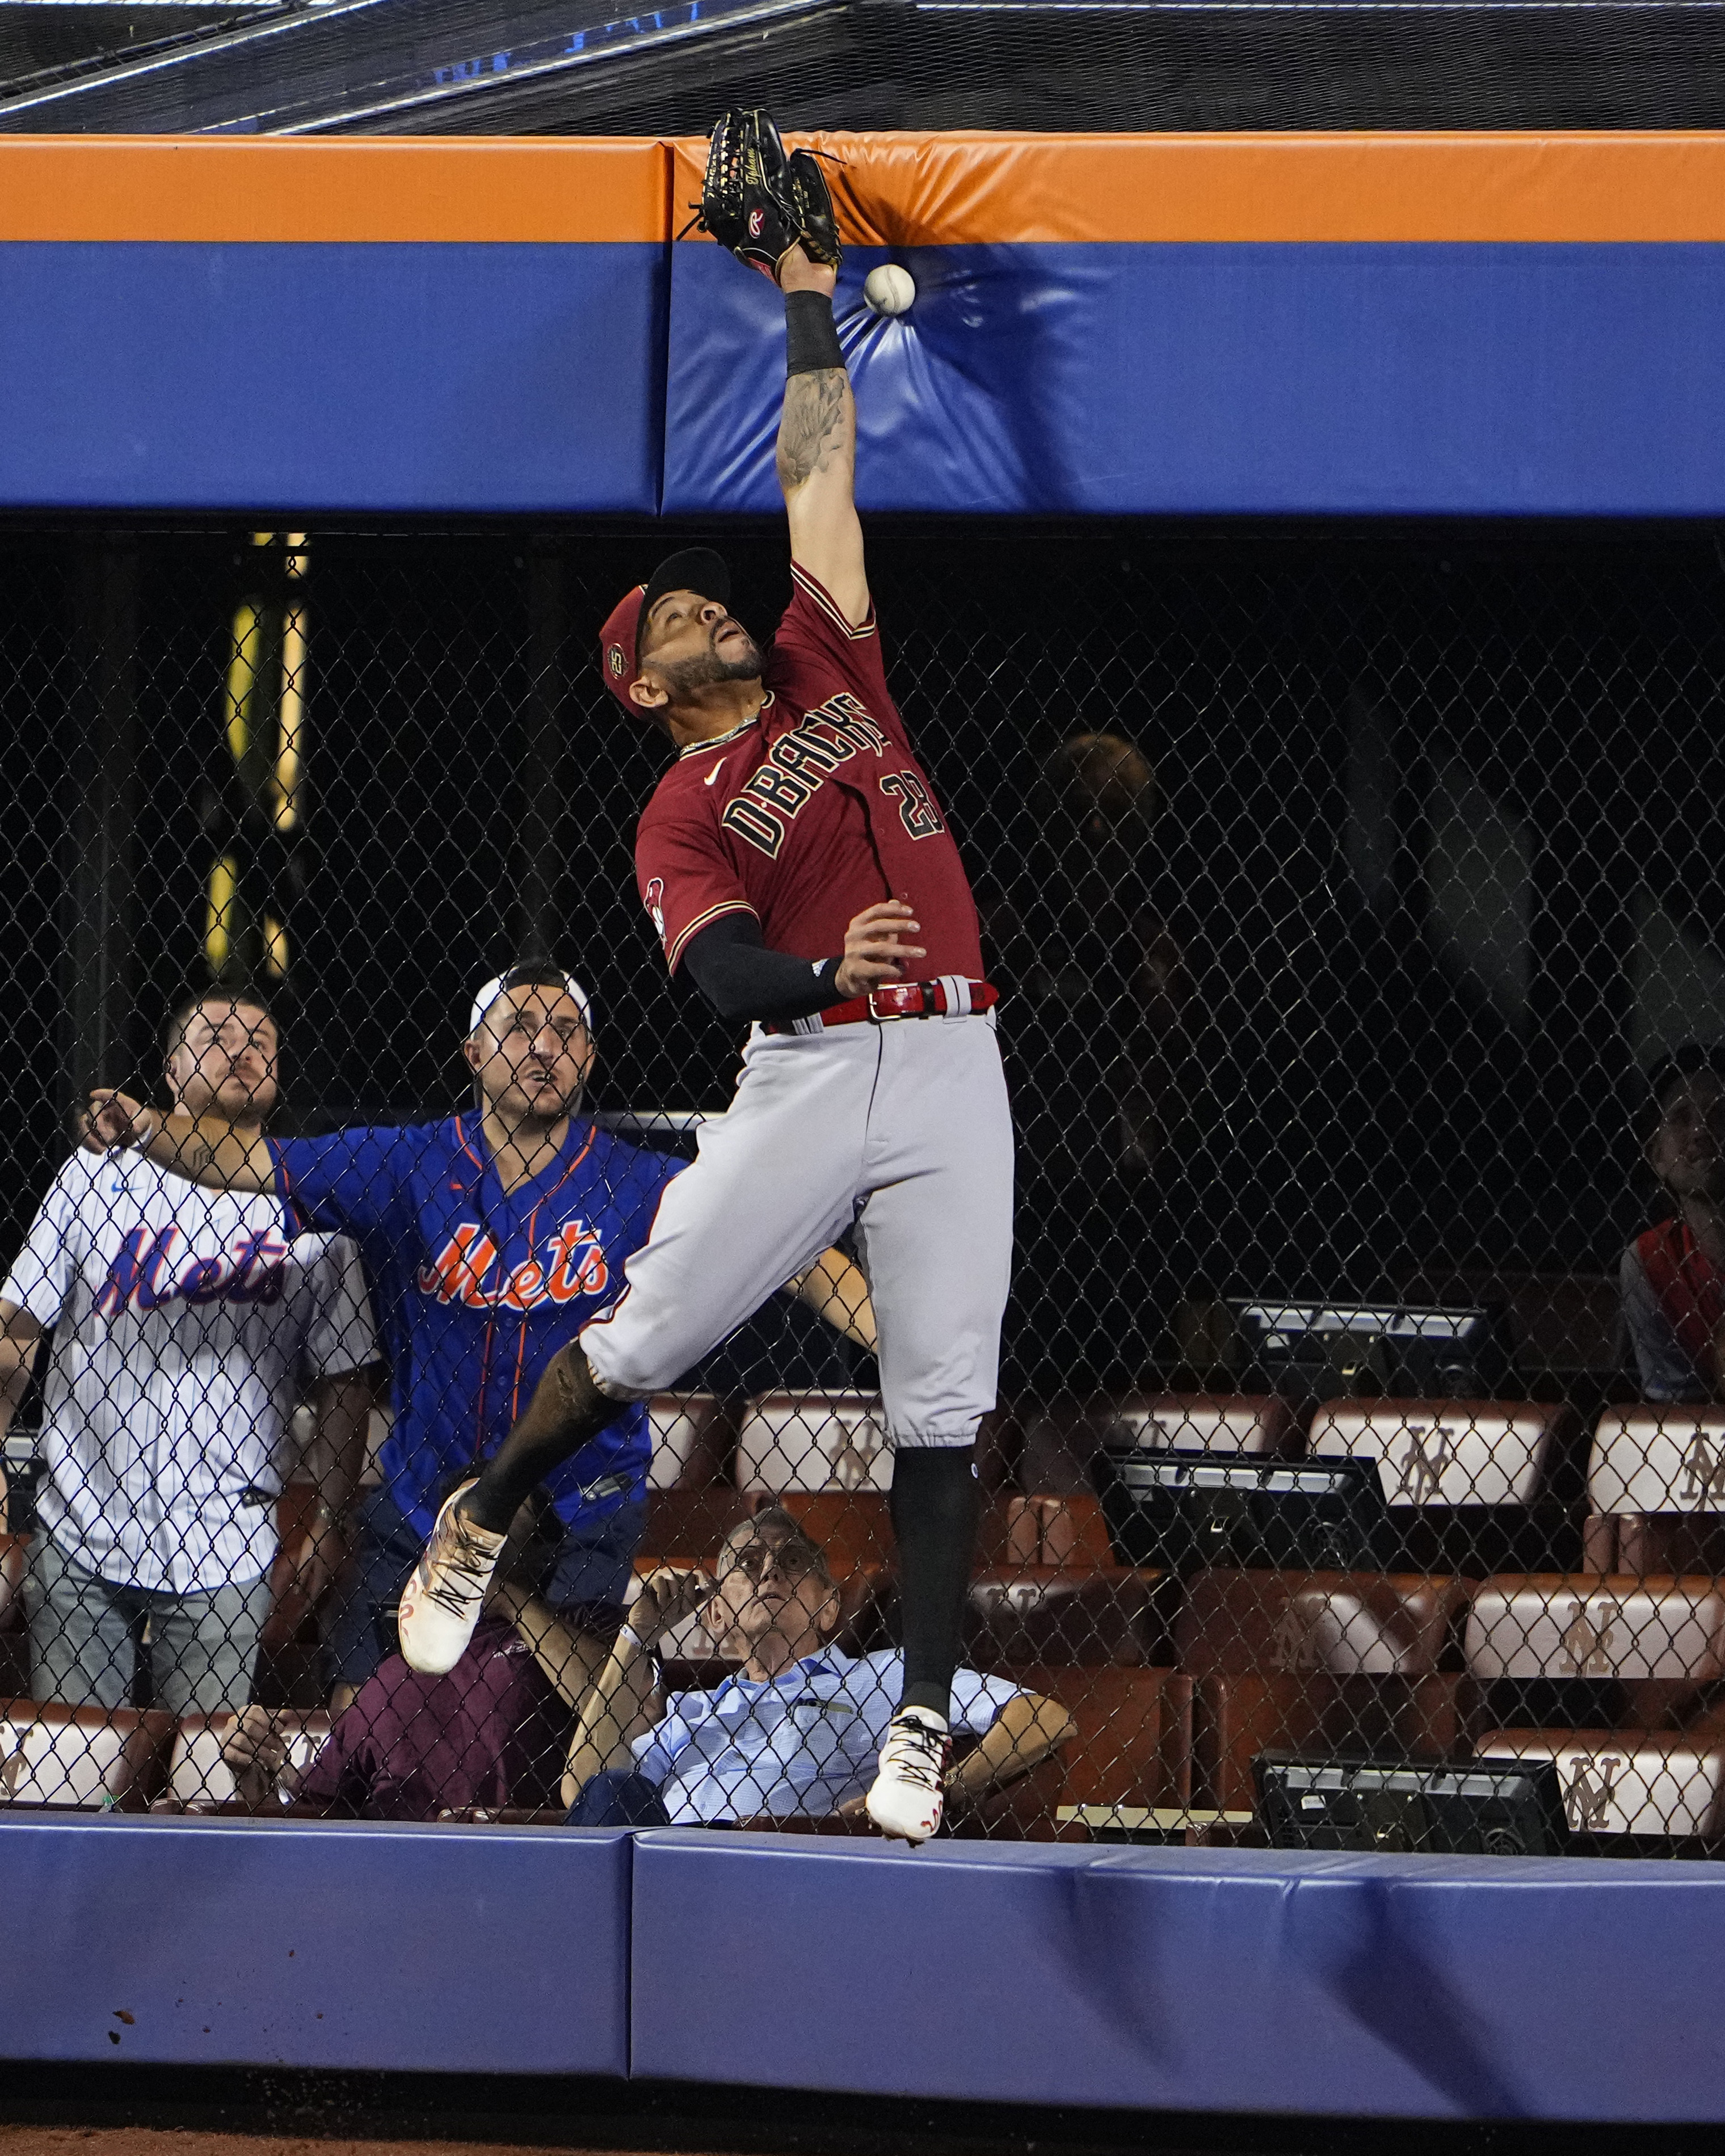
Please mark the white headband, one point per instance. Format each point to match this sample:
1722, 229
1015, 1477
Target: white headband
486, 996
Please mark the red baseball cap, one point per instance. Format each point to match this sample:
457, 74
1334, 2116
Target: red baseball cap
694, 569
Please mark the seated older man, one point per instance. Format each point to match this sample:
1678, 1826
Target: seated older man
796, 1731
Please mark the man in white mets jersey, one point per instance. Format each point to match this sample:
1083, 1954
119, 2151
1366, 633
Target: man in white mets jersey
188, 1324
799, 869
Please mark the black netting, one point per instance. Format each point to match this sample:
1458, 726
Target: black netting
1359, 1391
546, 67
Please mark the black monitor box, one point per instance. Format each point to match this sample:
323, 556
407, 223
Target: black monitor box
1328, 1351
1483, 1808
1182, 1509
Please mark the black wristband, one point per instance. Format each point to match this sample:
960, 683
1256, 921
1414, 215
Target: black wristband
811, 341
826, 975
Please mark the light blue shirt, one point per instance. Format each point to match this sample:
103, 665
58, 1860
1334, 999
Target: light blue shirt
806, 1742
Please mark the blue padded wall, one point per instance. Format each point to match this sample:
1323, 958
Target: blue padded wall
446, 378
1244, 1980
305, 1943
1244, 377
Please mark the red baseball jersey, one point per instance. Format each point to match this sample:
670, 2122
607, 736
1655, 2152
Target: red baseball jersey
815, 809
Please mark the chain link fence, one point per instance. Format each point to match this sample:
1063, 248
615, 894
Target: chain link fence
1354, 898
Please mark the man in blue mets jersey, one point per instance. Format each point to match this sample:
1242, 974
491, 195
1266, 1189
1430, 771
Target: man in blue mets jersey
485, 1237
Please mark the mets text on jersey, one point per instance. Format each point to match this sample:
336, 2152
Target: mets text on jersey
574, 1265
142, 1276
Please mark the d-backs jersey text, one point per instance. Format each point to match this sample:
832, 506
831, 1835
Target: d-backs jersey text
814, 810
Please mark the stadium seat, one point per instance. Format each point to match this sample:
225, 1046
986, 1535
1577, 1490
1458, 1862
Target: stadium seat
1639, 1785
1655, 1491
1473, 1486
1067, 1530
88, 1757
1024, 1810
1343, 1624
809, 1441
1047, 1614
693, 1438
1074, 1532
1008, 1531
197, 1774
1133, 1744
1645, 1648
1236, 1716
853, 1529
1061, 1445
685, 1527
1445, 1452
1204, 1422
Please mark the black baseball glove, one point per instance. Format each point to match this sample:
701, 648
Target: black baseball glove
759, 202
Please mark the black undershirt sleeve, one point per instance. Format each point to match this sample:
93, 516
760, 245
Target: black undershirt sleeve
742, 979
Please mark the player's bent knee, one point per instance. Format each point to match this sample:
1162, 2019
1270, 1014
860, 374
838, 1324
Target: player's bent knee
575, 1375
635, 1368
620, 1379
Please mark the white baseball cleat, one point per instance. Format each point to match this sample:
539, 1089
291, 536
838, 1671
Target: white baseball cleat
910, 1777
441, 1603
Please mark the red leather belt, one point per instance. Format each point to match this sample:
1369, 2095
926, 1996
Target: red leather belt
949, 996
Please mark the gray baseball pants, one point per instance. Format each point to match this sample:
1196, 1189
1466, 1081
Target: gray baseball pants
901, 1128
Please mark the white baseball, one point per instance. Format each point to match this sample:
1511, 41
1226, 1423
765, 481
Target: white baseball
888, 289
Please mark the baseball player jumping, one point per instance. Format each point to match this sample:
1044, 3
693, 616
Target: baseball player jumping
797, 866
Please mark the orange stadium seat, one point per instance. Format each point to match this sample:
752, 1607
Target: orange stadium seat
1237, 1715
1447, 1453
92, 1758
1061, 1445
685, 1527
1665, 1787
1047, 1614
1133, 1744
197, 1774
1649, 1646
1479, 1485
853, 1529
1066, 1531
1343, 1624
693, 1440
1205, 1422
809, 1441
1073, 1530
1655, 1491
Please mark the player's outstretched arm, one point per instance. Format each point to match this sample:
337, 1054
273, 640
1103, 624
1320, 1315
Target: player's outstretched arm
817, 440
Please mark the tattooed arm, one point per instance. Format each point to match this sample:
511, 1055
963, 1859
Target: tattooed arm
220, 1155
817, 464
